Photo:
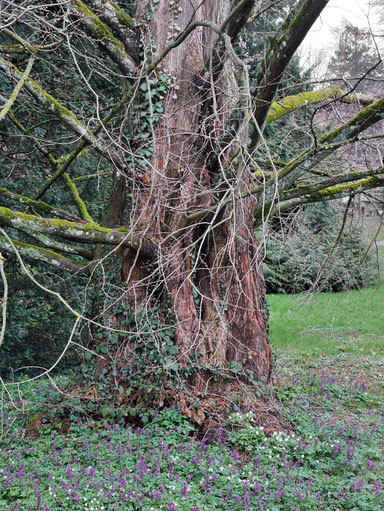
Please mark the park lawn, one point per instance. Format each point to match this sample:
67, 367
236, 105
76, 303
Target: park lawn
350, 323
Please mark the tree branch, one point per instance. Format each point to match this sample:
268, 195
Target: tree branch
331, 193
276, 62
80, 204
97, 29
83, 233
8, 104
60, 111
57, 246
119, 22
290, 104
40, 206
43, 255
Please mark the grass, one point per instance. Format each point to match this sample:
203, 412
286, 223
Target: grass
349, 323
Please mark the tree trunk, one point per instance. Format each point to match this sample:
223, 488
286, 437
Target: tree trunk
207, 279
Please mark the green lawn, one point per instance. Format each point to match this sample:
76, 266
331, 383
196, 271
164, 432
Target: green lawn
329, 323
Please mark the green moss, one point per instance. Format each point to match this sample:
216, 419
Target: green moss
98, 26
42, 206
100, 31
367, 117
80, 204
12, 48
68, 117
45, 253
291, 103
122, 17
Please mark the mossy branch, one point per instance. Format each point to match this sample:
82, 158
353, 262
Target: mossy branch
118, 20
82, 233
362, 121
39, 205
289, 104
99, 175
351, 176
12, 98
43, 255
332, 188
57, 246
60, 111
80, 204
24, 46
99, 31
331, 193
74, 193
329, 142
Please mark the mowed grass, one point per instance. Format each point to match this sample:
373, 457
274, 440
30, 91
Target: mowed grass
329, 323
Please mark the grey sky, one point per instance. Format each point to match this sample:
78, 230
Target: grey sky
321, 36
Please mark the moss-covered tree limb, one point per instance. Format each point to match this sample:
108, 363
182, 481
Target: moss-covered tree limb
291, 103
12, 98
331, 193
100, 32
13, 49
318, 188
43, 255
353, 175
80, 204
40, 206
121, 24
24, 46
326, 145
352, 129
74, 193
99, 175
278, 59
57, 246
81, 233
60, 111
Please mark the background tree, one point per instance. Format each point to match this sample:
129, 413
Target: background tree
153, 105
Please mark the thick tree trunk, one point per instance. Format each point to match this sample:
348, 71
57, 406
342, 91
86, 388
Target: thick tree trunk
210, 272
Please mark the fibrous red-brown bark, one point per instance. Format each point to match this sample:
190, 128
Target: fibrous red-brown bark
212, 268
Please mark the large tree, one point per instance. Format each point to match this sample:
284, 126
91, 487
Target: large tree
151, 105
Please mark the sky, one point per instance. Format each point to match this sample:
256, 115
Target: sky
321, 36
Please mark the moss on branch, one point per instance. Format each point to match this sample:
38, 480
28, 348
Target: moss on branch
329, 193
97, 29
83, 233
289, 104
39, 205
12, 98
42, 255
59, 110
351, 129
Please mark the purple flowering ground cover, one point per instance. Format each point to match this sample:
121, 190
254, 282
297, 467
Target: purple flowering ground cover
330, 456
